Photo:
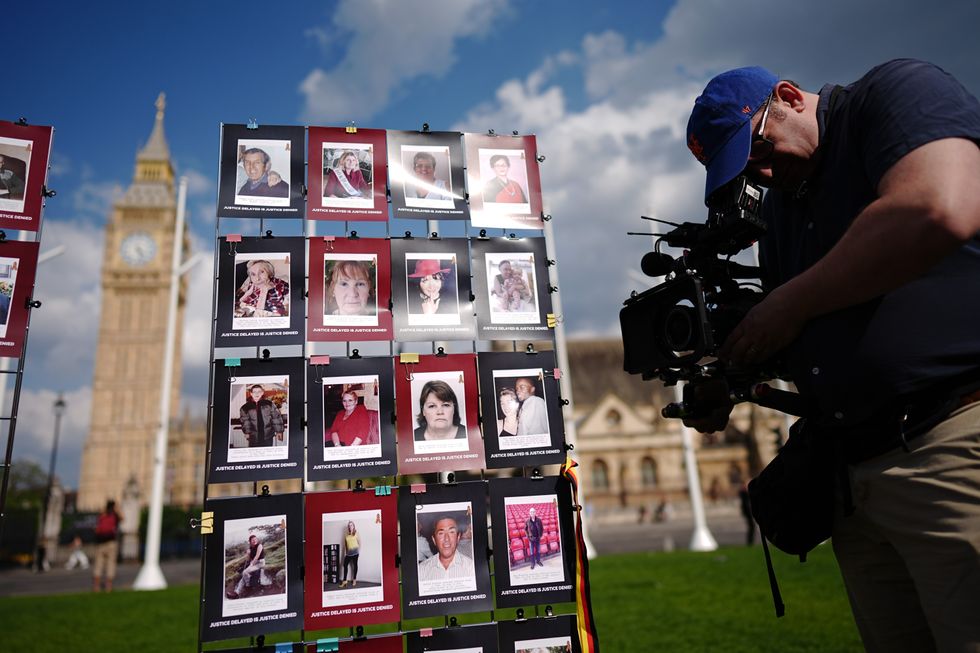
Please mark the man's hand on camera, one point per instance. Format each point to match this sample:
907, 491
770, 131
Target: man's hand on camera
765, 330
714, 405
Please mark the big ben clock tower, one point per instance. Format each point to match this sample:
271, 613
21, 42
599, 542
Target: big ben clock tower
128, 361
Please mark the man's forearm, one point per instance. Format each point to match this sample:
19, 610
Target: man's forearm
871, 259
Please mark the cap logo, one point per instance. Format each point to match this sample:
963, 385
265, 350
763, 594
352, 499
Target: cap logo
696, 148
746, 109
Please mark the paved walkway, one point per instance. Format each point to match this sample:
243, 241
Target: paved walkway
23, 582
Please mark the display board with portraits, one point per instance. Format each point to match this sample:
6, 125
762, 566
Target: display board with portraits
383, 554
503, 181
260, 292
438, 428
261, 172
350, 433
513, 298
481, 638
348, 174
252, 567
521, 409
24, 154
350, 289
425, 174
257, 420
557, 634
18, 267
351, 545
430, 289
533, 541
444, 550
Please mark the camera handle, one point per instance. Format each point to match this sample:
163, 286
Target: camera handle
760, 393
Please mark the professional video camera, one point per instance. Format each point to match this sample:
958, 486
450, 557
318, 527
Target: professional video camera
670, 330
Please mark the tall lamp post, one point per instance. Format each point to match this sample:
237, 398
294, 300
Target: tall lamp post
59, 410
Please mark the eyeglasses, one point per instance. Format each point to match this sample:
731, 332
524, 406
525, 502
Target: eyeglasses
762, 147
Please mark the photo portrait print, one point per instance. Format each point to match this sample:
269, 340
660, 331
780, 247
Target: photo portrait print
538, 558
18, 264
351, 569
262, 298
443, 550
513, 299
350, 289
347, 174
252, 580
351, 406
24, 154
15, 167
262, 176
533, 540
350, 430
260, 291
426, 175
522, 419
255, 554
351, 577
437, 414
261, 172
258, 418
504, 182
431, 289
257, 431
8, 282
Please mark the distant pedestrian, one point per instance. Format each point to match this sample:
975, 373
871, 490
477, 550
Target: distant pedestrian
107, 547
77, 557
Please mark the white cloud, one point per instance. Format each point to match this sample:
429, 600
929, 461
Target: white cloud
64, 329
390, 43
198, 183
95, 198
35, 429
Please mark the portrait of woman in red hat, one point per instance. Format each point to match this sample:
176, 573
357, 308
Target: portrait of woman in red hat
431, 289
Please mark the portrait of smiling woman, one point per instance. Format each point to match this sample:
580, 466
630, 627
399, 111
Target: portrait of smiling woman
262, 293
431, 290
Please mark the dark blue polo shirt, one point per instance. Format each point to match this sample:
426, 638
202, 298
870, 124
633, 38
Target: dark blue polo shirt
853, 362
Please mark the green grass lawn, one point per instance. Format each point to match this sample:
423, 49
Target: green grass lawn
679, 601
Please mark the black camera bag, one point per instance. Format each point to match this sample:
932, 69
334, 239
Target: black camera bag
793, 497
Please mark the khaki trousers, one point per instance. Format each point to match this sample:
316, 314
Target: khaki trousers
910, 553
105, 559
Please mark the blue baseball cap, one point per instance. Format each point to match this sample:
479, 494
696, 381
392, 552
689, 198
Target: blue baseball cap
719, 133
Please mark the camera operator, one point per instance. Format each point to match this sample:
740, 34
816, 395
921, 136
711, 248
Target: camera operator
872, 255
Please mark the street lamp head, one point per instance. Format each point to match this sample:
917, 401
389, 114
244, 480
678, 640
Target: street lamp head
59, 406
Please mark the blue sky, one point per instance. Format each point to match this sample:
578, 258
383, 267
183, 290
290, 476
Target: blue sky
606, 87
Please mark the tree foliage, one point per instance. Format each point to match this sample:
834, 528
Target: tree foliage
26, 485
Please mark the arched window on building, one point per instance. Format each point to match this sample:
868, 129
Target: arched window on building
600, 475
648, 472
613, 418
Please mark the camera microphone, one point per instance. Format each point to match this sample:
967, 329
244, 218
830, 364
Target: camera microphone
656, 264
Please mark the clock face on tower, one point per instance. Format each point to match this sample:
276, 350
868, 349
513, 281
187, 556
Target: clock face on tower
138, 249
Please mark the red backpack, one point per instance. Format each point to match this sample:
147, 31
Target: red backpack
105, 526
